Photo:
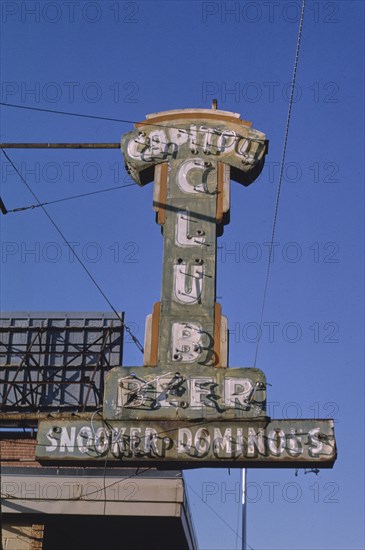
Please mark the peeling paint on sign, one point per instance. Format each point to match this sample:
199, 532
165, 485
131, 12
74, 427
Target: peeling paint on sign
193, 392
276, 443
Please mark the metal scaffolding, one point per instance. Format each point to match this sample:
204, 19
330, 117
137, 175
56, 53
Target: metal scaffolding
57, 361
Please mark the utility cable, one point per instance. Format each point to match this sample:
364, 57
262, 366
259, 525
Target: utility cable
65, 113
32, 206
238, 521
216, 513
137, 473
126, 121
126, 328
280, 177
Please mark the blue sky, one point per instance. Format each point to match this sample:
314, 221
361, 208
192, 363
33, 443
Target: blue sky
124, 60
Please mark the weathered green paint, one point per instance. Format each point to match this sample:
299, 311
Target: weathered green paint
195, 392
167, 415
195, 266
270, 444
192, 143
233, 142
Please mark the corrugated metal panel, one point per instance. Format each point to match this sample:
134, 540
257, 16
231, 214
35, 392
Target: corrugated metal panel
57, 360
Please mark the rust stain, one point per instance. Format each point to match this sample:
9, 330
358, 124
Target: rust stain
217, 334
154, 334
220, 178
161, 214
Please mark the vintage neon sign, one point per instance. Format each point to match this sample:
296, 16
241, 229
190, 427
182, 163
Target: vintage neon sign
191, 155
184, 405
279, 443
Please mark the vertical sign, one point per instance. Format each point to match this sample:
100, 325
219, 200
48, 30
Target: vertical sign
191, 155
184, 406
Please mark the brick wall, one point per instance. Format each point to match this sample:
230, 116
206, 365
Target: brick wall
18, 534
18, 452
37, 536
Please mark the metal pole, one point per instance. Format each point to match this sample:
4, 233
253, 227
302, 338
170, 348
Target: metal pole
244, 510
59, 145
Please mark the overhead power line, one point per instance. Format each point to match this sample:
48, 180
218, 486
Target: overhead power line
125, 121
133, 337
137, 473
215, 512
280, 176
60, 145
32, 206
42, 110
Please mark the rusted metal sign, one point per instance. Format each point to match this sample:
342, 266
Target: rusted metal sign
270, 444
190, 393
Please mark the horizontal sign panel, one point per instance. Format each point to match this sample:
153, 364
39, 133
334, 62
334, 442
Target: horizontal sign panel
149, 393
221, 138
275, 443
